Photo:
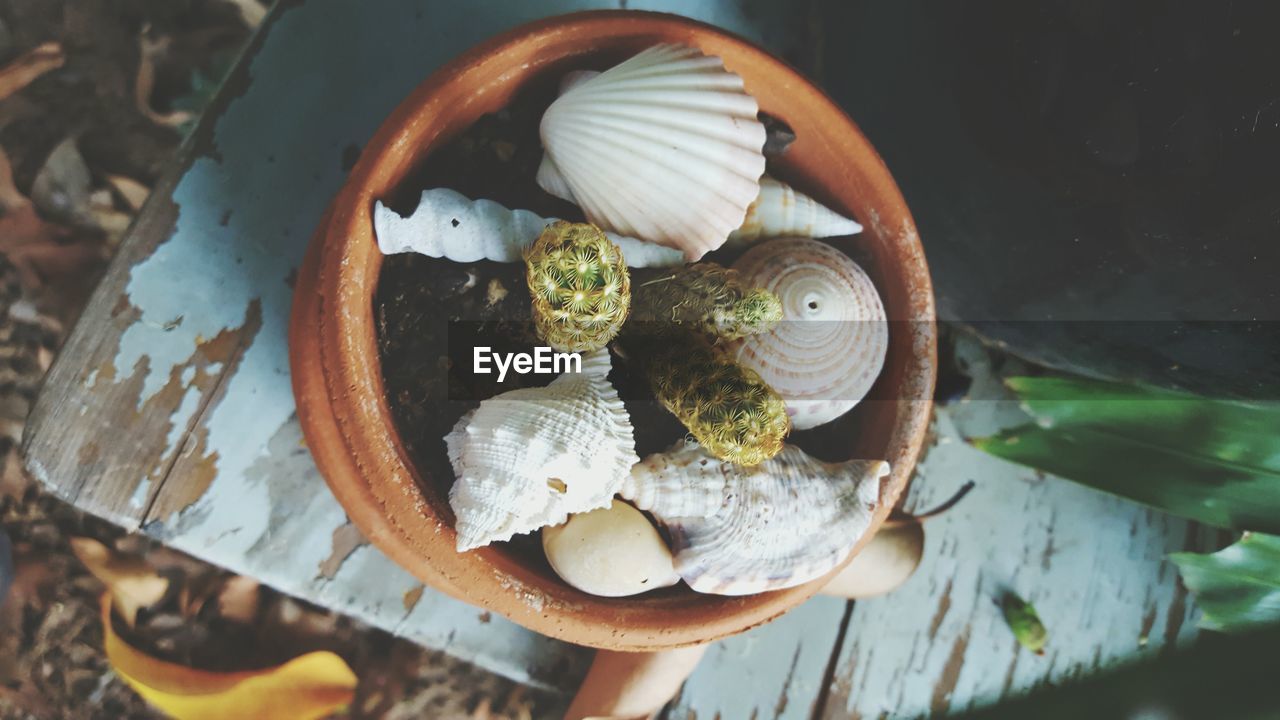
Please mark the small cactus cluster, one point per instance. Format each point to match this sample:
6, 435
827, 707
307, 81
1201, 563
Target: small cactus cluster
710, 299
727, 408
580, 287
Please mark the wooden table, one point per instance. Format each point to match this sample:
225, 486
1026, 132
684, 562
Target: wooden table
170, 411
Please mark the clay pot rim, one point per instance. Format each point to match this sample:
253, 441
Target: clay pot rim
349, 426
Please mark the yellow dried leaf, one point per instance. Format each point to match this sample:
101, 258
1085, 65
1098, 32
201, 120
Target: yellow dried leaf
307, 687
133, 583
149, 51
131, 191
29, 66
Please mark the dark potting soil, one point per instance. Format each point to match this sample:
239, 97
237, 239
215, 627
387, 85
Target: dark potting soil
431, 312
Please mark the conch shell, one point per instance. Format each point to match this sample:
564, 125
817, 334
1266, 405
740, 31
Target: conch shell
528, 458
449, 225
780, 211
741, 530
664, 147
831, 344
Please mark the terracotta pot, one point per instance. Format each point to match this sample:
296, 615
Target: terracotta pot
336, 370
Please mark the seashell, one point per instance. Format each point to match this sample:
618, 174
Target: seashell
549, 177
780, 211
528, 458
826, 353
664, 147
449, 225
611, 552
740, 530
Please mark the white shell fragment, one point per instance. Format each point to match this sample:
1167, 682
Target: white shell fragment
780, 211
528, 458
610, 552
781, 523
449, 225
664, 147
831, 344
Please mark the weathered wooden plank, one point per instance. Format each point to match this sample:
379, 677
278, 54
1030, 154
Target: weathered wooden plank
170, 406
307, 548
1091, 563
774, 671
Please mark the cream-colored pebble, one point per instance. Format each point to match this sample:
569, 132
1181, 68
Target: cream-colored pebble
610, 552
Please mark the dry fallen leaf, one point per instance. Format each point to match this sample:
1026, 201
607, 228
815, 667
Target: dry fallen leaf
251, 12
62, 188
132, 582
19, 223
238, 600
307, 687
34, 247
149, 51
131, 191
29, 66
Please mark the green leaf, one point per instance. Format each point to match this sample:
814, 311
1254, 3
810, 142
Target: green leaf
1238, 587
1240, 433
1210, 460
1022, 619
1175, 479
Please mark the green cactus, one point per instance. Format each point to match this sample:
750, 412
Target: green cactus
708, 298
727, 408
580, 287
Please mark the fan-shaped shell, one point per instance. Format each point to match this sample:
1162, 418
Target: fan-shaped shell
528, 458
781, 211
830, 346
664, 147
784, 522
447, 224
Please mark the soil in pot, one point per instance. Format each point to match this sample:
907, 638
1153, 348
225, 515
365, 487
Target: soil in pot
432, 312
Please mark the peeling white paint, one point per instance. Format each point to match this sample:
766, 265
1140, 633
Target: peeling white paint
180, 418
138, 500
245, 217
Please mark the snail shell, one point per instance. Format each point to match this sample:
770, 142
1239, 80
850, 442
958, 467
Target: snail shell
831, 344
449, 225
664, 147
611, 552
780, 211
528, 458
740, 530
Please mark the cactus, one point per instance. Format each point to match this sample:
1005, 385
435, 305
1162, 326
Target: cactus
580, 287
708, 298
727, 408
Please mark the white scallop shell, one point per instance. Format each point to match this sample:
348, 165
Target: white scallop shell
447, 224
528, 458
780, 211
664, 147
611, 552
782, 523
831, 344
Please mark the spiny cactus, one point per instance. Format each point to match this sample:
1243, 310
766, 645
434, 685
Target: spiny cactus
708, 298
579, 284
727, 408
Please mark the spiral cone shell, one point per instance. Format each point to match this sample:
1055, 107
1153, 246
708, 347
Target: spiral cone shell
829, 348
446, 224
